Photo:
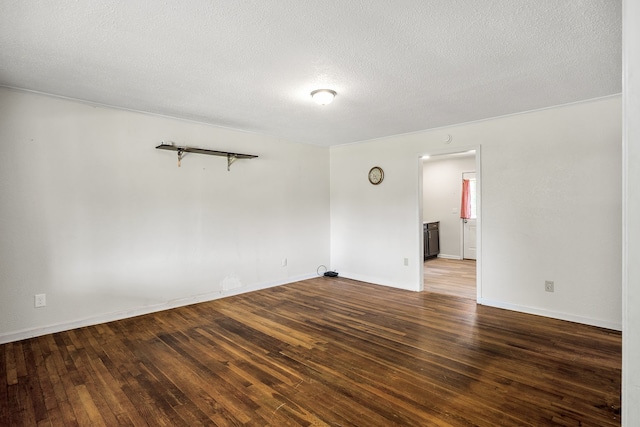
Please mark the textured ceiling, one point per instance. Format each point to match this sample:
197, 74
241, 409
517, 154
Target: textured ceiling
398, 66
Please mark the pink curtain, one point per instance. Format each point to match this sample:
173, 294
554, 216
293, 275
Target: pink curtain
465, 208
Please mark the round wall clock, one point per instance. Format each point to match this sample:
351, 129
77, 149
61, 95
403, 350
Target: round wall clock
376, 175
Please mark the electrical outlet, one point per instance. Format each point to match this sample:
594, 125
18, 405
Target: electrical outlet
40, 300
548, 285
406, 262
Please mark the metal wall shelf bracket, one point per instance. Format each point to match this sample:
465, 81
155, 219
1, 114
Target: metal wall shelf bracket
180, 154
231, 157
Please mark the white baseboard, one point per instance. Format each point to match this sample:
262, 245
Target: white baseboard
376, 281
445, 256
139, 311
552, 314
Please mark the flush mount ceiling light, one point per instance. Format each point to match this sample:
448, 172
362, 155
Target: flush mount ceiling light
323, 96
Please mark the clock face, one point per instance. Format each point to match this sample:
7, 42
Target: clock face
376, 175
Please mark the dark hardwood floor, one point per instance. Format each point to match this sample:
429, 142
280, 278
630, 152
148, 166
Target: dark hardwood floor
323, 352
451, 277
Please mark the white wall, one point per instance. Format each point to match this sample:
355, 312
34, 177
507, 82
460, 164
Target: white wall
551, 208
441, 194
107, 226
631, 231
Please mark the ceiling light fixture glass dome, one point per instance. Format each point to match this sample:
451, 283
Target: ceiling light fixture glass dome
323, 96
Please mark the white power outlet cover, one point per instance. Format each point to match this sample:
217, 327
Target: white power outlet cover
548, 285
40, 300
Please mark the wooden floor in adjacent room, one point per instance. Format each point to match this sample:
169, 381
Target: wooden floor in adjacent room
451, 276
323, 352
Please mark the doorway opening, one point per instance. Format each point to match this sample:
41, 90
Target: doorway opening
468, 215
451, 205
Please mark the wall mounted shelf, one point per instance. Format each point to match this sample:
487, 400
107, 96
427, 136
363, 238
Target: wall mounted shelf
231, 157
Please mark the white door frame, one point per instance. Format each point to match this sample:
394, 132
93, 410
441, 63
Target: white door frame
478, 156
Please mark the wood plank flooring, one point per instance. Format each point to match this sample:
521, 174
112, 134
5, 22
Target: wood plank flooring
451, 277
323, 352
